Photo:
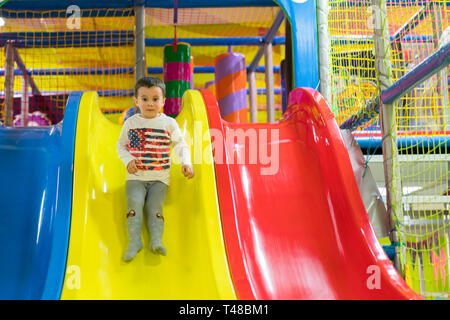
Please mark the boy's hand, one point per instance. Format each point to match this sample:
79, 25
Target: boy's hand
131, 167
188, 171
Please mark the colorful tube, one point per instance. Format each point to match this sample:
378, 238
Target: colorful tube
177, 75
231, 86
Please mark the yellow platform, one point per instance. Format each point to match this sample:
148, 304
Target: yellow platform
195, 266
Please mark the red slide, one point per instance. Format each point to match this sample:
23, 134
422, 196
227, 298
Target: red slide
294, 224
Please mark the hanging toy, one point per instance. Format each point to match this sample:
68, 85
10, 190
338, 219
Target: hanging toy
231, 86
177, 70
177, 75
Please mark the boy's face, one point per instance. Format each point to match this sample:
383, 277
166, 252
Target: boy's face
149, 101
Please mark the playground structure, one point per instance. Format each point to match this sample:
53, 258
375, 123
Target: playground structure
97, 54
419, 125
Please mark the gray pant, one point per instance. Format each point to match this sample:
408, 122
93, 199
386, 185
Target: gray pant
151, 195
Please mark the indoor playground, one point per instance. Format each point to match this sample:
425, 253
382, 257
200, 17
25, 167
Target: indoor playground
319, 133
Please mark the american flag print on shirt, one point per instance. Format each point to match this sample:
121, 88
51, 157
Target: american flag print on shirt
151, 147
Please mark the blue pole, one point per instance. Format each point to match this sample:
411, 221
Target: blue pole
118, 38
267, 38
68, 39
128, 93
108, 71
437, 61
426, 142
362, 3
223, 41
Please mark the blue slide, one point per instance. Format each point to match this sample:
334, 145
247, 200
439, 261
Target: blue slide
36, 166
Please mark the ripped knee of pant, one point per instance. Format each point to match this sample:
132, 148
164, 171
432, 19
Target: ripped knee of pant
131, 214
160, 216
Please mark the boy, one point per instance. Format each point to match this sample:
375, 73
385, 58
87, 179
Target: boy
144, 148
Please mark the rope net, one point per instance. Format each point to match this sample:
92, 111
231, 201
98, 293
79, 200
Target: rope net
417, 30
64, 51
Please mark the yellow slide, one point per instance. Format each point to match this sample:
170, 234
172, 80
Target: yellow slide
195, 266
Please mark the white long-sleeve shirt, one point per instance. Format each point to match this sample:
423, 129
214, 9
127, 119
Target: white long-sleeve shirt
148, 141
